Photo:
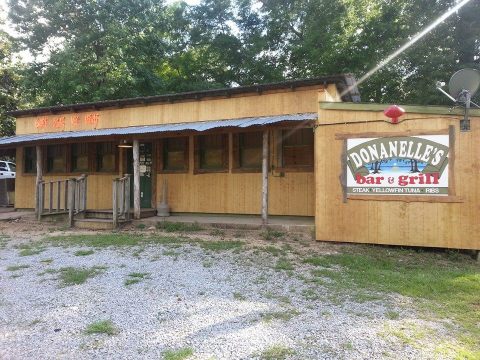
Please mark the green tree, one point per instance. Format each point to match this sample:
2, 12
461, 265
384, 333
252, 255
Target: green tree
8, 86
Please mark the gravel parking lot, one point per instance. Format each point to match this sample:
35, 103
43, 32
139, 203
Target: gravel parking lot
188, 296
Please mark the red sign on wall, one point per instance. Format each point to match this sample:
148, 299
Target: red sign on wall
58, 122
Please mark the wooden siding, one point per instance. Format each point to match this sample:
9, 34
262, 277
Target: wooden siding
291, 193
430, 224
300, 100
239, 193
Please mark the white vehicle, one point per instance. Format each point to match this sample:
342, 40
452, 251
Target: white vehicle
7, 170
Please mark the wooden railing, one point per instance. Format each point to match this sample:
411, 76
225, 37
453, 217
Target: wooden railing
121, 199
62, 197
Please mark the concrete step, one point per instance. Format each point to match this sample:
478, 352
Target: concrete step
96, 224
108, 214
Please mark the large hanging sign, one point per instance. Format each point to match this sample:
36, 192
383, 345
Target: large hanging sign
408, 165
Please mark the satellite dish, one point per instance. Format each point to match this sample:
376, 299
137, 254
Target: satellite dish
462, 81
462, 87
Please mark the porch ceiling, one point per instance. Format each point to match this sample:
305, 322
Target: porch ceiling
161, 128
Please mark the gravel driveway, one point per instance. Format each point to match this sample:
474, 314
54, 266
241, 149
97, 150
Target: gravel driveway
240, 303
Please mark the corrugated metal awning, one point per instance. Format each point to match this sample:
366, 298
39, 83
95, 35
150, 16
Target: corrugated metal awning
161, 128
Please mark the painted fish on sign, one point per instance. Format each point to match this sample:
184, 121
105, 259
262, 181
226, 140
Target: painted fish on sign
409, 165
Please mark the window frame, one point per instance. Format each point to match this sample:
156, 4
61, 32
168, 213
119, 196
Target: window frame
65, 154
225, 147
236, 153
161, 148
280, 153
90, 155
95, 166
33, 171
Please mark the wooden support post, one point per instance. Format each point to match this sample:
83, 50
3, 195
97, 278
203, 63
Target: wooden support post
136, 179
84, 195
115, 203
127, 196
59, 191
50, 196
265, 178
65, 205
39, 178
71, 200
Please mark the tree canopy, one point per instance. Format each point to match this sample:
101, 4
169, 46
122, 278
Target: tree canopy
99, 50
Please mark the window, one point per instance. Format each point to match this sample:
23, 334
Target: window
106, 157
56, 159
3, 166
29, 160
247, 151
211, 153
79, 157
297, 148
12, 166
173, 156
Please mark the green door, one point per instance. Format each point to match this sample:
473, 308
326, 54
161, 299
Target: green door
146, 161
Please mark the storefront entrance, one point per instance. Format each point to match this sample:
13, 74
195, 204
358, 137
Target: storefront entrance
146, 162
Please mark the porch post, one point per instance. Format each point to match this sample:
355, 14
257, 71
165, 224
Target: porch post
136, 179
265, 178
39, 178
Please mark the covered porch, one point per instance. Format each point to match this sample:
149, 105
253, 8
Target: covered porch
260, 166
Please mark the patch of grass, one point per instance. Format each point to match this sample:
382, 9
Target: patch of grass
284, 264
35, 322
76, 276
83, 252
178, 226
178, 354
217, 232
310, 294
392, 315
276, 352
17, 267
239, 296
140, 226
270, 234
207, 263
273, 250
46, 261
280, 315
107, 240
170, 253
47, 271
135, 277
30, 251
221, 245
446, 285
101, 327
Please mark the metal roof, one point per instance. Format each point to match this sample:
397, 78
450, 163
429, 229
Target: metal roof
345, 83
160, 128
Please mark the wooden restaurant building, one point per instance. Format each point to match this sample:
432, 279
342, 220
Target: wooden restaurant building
288, 149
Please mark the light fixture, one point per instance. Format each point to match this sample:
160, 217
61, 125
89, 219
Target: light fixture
125, 144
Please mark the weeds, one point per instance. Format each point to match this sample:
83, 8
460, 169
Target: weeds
83, 252
284, 264
177, 226
179, 354
17, 267
76, 276
276, 352
101, 327
135, 277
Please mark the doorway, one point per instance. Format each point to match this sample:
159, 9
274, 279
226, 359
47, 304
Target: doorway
146, 162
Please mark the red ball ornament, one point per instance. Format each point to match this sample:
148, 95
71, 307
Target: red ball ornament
394, 112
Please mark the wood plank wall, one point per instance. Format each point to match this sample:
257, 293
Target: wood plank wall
234, 193
429, 224
269, 103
